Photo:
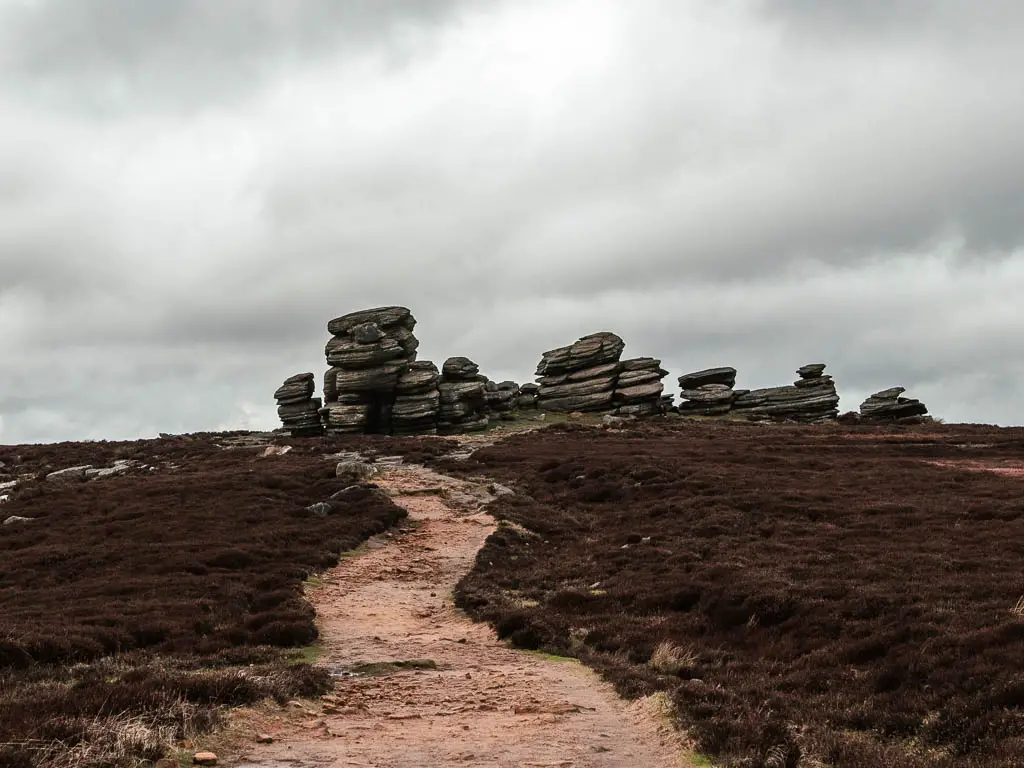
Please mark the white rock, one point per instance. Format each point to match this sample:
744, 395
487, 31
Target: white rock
17, 519
71, 473
8, 486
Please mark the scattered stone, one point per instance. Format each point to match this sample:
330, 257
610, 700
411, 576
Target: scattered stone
298, 410
354, 471
616, 421
70, 474
17, 519
527, 398
204, 758
8, 486
275, 450
264, 738
888, 405
119, 467
320, 509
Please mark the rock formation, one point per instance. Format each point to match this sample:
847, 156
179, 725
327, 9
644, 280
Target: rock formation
811, 398
581, 376
298, 410
370, 352
638, 388
502, 399
708, 392
527, 398
887, 405
463, 403
417, 400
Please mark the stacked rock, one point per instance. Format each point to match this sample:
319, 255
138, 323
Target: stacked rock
887, 405
370, 351
463, 404
709, 392
501, 399
527, 398
417, 400
581, 376
638, 389
811, 398
298, 410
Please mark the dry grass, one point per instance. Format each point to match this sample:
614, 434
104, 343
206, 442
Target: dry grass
670, 659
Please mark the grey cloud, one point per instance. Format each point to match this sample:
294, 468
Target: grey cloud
751, 184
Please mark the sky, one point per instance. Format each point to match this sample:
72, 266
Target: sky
189, 191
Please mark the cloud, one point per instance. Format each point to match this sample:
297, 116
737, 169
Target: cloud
192, 191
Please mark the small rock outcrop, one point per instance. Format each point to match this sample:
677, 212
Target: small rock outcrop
417, 400
502, 399
369, 352
463, 402
811, 398
638, 388
298, 410
888, 405
581, 376
527, 398
708, 392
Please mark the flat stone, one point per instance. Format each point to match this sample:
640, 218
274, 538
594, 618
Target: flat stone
350, 355
725, 376
384, 317
204, 758
810, 371
13, 519
578, 388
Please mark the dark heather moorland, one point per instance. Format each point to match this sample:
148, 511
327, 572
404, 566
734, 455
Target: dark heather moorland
134, 606
829, 595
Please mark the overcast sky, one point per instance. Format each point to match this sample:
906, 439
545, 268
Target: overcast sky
190, 190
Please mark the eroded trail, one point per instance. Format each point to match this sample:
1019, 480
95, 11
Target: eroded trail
431, 687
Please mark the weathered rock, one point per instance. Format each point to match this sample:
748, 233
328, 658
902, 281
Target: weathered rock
599, 401
296, 406
887, 405
709, 394
350, 354
320, 509
459, 368
810, 371
296, 389
638, 387
697, 379
418, 377
70, 474
366, 333
13, 519
342, 418
589, 351
383, 317
354, 471
204, 758
382, 379
577, 388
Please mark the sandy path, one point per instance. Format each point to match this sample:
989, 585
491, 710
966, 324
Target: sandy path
483, 704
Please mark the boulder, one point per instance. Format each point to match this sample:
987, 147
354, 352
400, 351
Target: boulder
698, 379
459, 368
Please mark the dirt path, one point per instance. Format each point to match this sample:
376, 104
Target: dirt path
464, 699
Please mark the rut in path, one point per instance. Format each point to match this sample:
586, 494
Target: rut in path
477, 703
